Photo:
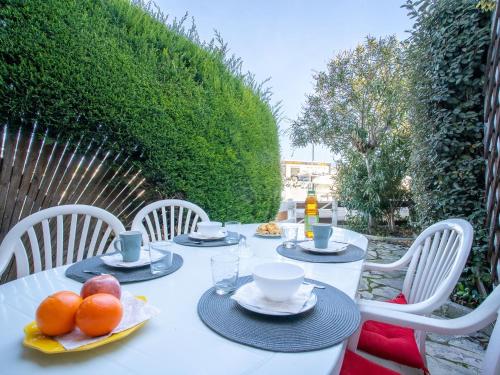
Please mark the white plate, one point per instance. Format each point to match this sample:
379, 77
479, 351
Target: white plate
199, 236
333, 247
261, 310
116, 260
265, 235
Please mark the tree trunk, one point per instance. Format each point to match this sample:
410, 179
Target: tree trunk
391, 222
369, 173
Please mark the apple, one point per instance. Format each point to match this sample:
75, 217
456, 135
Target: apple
101, 284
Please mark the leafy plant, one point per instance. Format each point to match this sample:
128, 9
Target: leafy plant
112, 69
357, 108
447, 55
383, 194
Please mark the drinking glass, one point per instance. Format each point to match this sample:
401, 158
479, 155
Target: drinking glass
289, 235
160, 256
225, 269
244, 250
233, 229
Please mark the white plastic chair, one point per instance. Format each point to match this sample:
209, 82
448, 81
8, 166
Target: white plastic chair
481, 317
41, 229
162, 220
435, 262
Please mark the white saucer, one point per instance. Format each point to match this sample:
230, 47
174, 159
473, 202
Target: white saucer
199, 236
333, 247
267, 235
116, 259
261, 310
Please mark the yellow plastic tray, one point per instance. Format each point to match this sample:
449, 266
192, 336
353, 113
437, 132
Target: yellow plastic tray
33, 338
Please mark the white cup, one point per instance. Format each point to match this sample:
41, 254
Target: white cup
278, 281
209, 228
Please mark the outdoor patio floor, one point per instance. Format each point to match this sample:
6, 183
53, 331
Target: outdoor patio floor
445, 354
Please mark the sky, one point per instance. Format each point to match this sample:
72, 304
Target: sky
288, 40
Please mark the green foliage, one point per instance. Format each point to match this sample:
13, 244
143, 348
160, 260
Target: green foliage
383, 193
359, 110
486, 5
109, 68
447, 54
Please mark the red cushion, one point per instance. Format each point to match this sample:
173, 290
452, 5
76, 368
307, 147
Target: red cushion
355, 364
391, 342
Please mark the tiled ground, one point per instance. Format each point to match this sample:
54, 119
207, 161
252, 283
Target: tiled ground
445, 355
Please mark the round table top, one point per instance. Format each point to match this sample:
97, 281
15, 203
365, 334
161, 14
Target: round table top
176, 341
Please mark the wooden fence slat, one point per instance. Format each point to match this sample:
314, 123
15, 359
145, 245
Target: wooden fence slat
38, 171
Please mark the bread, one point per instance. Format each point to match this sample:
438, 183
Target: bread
269, 229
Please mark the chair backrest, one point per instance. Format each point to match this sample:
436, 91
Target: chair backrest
32, 240
436, 260
162, 220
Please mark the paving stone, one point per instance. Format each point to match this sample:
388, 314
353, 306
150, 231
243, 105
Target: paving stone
453, 354
394, 283
385, 292
364, 284
438, 366
442, 339
467, 343
366, 295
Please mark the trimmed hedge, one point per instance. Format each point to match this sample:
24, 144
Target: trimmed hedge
108, 67
447, 54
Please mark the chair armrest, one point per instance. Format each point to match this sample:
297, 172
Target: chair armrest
420, 308
459, 326
369, 266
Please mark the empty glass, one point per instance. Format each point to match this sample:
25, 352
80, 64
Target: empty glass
225, 268
160, 256
233, 229
289, 235
244, 250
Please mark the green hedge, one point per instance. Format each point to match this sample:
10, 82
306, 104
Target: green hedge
447, 56
83, 67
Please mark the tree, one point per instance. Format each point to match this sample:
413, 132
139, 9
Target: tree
358, 100
383, 194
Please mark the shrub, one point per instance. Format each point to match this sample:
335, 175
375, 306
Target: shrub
108, 68
448, 49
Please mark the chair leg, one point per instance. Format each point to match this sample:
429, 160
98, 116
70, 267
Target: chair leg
421, 336
352, 343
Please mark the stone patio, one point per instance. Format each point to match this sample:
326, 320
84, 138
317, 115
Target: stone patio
445, 355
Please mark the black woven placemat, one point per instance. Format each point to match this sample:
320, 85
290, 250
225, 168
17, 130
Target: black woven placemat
334, 318
184, 240
351, 254
123, 275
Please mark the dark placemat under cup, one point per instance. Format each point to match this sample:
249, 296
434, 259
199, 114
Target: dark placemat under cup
124, 275
334, 318
184, 240
351, 254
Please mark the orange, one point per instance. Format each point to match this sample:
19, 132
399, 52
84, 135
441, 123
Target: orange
99, 314
56, 314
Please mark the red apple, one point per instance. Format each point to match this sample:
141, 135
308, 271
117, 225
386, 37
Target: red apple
101, 284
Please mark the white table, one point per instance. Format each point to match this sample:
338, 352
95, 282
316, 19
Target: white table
175, 342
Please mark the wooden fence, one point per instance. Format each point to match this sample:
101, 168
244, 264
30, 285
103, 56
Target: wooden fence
492, 147
38, 170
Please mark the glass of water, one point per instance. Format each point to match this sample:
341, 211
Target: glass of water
160, 256
289, 235
233, 229
225, 268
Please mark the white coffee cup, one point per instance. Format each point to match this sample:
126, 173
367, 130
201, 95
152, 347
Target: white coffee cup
278, 281
209, 228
